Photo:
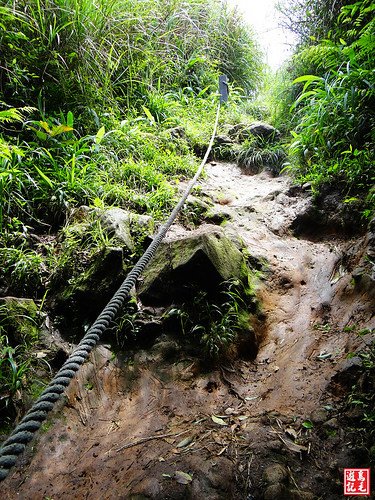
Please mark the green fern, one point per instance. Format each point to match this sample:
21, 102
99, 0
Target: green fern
13, 115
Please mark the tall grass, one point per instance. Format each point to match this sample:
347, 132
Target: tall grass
81, 54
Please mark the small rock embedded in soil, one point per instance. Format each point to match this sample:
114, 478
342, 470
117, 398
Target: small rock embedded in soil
275, 473
319, 416
333, 423
277, 492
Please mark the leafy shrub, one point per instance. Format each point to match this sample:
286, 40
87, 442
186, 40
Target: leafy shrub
333, 94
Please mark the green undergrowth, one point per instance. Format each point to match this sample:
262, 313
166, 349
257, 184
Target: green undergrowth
326, 98
24, 367
256, 154
221, 327
102, 105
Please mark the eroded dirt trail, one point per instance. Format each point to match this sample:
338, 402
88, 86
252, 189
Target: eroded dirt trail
130, 424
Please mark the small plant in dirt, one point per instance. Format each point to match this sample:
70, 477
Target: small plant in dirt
218, 325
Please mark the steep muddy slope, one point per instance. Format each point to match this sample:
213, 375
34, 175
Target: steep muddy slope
154, 425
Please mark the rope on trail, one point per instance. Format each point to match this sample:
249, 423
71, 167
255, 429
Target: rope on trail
31, 422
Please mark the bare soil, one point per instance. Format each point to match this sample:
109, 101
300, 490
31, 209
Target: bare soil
154, 424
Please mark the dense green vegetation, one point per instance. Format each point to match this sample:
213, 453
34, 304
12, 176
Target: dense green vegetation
101, 104
328, 99
110, 103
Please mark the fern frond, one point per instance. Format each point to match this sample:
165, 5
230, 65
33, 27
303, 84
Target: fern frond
13, 115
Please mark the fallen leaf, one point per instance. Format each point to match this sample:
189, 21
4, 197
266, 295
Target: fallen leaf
218, 420
166, 475
251, 398
243, 417
291, 432
324, 355
230, 411
184, 442
293, 446
41, 354
222, 451
182, 477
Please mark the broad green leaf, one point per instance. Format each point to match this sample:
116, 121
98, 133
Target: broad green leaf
305, 95
351, 200
308, 78
99, 135
40, 135
148, 114
70, 119
44, 177
60, 129
45, 127
307, 424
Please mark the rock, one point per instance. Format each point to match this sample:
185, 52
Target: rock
147, 488
331, 424
275, 445
195, 210
262, 129
83, 298
121, 225
354, 414
197, 204
319, 416
222, 140
276, 492
348, 373
200, 259
371, 248
217, 216
177, 132
20, 320
327, 214
275, 473
243, 131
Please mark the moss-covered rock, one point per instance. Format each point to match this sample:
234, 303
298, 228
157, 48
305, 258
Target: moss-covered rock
200, 259
19, 320
202, 280
83, 297
126, 228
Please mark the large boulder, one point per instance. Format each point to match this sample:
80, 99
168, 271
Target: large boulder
84, 296
124, 227
243, 131
197, 260
84, 285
